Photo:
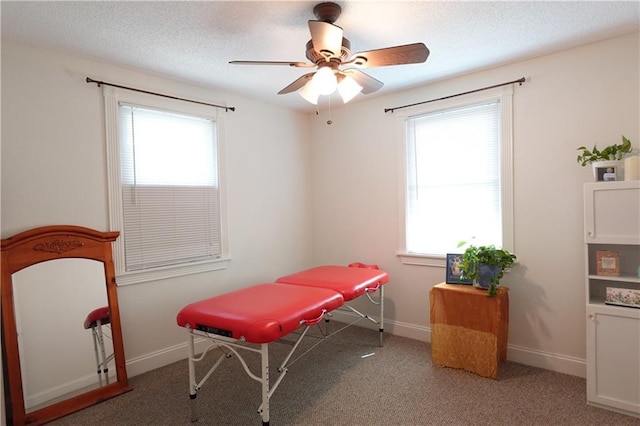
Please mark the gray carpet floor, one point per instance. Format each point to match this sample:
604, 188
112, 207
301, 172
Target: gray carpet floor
335, 385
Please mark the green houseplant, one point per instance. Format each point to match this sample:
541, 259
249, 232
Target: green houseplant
486, 265
613, 152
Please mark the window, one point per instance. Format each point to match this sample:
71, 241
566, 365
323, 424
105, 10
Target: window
165, 192
458, 177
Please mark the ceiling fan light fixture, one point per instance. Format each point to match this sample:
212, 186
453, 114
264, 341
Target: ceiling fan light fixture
348, 89
330, 52
325, 80
310, 93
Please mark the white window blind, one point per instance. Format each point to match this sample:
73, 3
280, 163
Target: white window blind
453, 178
169, 188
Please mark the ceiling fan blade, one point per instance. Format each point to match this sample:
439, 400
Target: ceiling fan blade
398, 55
290, 64
326, 38
368, 83
297, 84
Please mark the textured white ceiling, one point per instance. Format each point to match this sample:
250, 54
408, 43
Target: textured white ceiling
195, 40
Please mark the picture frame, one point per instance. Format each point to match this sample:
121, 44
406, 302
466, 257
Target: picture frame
607, 263
454, 274
607, 174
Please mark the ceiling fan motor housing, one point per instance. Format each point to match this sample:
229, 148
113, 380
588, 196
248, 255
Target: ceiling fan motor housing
317, 57
327, 12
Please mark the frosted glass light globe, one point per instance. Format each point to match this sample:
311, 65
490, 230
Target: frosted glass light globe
325, 80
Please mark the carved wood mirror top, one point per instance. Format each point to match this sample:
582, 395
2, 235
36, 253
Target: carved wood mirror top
34, 247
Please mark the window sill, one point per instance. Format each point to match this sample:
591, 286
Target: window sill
137, 277
436, 260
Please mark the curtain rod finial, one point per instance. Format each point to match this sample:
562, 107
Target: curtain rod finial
90, 80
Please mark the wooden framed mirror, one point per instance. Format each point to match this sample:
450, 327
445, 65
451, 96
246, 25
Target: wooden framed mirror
61, 329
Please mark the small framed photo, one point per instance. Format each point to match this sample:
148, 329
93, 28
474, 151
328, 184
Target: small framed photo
454, 273
607, 174
607, 263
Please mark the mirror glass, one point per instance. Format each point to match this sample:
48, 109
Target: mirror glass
52, 300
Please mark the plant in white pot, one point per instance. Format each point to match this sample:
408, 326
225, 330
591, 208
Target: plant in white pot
609, 157
486, 265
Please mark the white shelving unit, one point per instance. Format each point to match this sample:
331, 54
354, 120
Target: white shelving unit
612, 223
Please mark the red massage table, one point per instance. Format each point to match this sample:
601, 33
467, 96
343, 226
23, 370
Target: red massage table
251, 318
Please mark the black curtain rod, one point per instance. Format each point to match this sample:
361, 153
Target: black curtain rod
100, 83
520, 80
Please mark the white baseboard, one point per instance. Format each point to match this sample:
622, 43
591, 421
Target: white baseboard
161, 358
554, 362
549, 361
85, 383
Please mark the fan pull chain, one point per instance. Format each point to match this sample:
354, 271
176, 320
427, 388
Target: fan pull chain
329, 121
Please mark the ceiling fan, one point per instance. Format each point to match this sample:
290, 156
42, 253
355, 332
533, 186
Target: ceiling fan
330, 52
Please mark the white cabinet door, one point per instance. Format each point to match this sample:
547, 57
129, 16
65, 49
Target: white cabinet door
613, 358
612, 212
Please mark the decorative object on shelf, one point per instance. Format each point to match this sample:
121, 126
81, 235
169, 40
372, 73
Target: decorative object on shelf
623, 297
454, 272
608, 263
486, 265
632, 167
607, 163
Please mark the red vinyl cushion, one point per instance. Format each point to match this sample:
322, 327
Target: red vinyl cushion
261, 313
97, 314
351, 282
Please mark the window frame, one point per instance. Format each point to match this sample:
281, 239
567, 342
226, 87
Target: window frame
112, 98
502, 94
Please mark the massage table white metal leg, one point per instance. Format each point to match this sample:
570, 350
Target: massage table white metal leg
193, 387
105, 360
95, 349
381, 321
102, 360
264, 409
360, 315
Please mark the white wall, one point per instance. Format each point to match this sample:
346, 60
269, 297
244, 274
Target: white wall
577, 97
54, 172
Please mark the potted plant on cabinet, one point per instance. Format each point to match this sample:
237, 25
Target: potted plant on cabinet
486, 265
601, 160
